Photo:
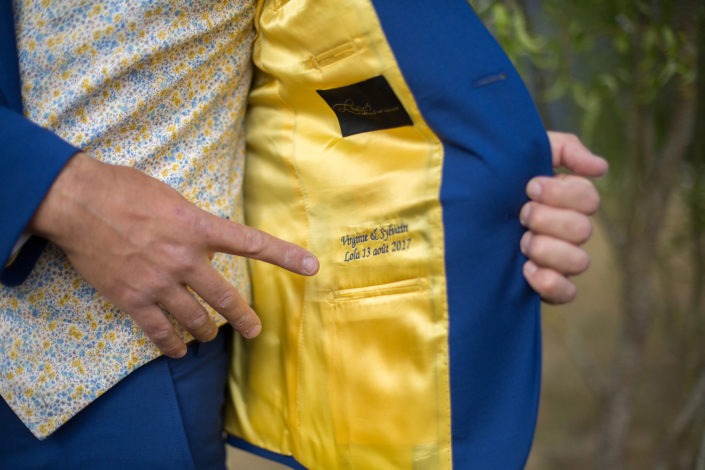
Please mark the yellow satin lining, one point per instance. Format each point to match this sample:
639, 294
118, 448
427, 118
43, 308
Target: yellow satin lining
351, 369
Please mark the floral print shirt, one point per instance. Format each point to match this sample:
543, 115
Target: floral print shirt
157, 85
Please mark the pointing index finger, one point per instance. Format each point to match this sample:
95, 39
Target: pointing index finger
236, 239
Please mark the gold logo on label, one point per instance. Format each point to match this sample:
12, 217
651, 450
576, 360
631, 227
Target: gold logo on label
366, 110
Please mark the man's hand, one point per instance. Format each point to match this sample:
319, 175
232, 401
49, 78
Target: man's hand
557, 219
141, 244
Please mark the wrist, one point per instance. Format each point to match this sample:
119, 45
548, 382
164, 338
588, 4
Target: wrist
60, 206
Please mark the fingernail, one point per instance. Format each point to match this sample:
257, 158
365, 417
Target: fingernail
310, 264
530, 268
524, 214
524, 244
253, 331
534, 189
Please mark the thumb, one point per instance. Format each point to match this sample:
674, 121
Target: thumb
569, 152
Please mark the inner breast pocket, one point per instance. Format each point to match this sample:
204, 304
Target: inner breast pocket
383, 345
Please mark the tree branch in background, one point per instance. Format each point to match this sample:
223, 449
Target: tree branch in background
694, 403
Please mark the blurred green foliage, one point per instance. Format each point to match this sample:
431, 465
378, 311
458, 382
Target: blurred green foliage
597, 52
628, 76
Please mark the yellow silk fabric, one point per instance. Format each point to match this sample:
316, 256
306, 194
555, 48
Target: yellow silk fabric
351, 368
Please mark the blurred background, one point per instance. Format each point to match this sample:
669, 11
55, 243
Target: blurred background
624, 365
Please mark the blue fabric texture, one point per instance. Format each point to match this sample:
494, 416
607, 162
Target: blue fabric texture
200, 379
30, 159
494, 142
10, 76
166, 415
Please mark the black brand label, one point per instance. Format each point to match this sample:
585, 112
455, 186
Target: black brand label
366, 106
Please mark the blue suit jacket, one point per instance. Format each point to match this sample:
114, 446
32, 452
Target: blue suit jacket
473, 100
494, 331
31, 159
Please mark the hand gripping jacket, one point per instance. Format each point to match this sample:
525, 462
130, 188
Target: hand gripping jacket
394, 139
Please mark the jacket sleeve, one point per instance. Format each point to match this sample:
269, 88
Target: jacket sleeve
30, 159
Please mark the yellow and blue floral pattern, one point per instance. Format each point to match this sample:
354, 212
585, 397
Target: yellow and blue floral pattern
157, 85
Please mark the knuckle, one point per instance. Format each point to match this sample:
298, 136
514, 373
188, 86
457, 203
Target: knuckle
191, 216
254, 241
188, 262
537, 217
125, 295
178, 254
562, 189
209, 228
179, 258
196, 321
161, 334
202, 226
290, 255
550, 284
226, 302
161, 286
204, 229
128, 296
572, 139
240, 321
559, 290
190, 267
554, 191
583, 229
592, 201
185, 216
